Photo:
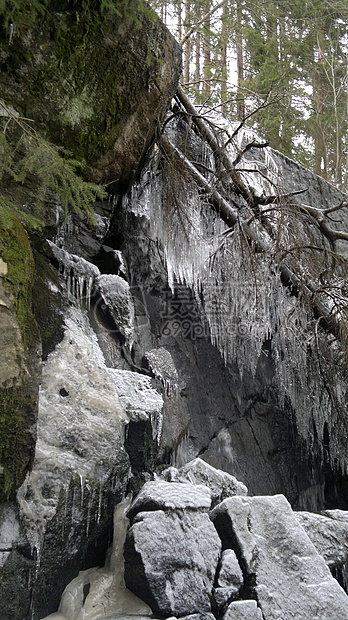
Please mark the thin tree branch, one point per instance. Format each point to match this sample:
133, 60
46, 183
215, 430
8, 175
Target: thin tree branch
250, 145
231, 217
199, 23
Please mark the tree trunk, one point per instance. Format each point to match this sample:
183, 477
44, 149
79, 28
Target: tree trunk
240, 62
188, 44
320, 158
224, 72
207, 51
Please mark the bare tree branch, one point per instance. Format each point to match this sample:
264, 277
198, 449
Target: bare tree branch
232, 217
199, 23
319, 215
250, 145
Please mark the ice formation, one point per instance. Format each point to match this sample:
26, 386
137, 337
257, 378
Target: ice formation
238, 290
78, 273
108, 595
162, 365
80, 429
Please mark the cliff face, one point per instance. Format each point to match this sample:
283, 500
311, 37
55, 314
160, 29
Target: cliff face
165, 333
104, 108
98, 85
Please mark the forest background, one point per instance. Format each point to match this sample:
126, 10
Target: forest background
280, 66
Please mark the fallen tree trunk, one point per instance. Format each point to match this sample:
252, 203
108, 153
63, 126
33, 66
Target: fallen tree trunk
232, 217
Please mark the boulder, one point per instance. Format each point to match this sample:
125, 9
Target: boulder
283, 568
160, 495
207, 616
20, 349
115, 74
171, 560
243, 610
230, 573
221, 484
224, 595
328, 532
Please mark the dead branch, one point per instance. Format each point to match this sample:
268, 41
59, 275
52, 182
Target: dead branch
218, 152
319, 215
250, 145
231, 217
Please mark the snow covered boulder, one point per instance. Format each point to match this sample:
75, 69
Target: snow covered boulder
290, 579
329, 534
161, 495
221, 484
172, 552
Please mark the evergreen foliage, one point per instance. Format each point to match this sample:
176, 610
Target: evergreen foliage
24, 155
294, 55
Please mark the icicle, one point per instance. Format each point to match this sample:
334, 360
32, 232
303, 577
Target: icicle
89, 509
78, 273
100, 503
37, 554
82, 487
66, 499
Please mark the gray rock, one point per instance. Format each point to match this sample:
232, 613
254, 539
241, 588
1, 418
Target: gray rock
139, 400
221, 484
161, 495
171, 560
329, 534
225, 595
207, 616
291, 578
230, 573
123, 617
9, 530
162, 365
242, 610
115, 293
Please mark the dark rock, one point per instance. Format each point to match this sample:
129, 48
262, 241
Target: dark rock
20, 353
102, 106
223, 596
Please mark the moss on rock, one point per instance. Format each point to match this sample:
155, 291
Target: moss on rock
95, 81
18, 351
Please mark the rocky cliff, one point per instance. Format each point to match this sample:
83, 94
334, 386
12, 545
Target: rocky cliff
157, 334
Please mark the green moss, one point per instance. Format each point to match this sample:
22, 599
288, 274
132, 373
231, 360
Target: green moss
18, 404
15, 450
16, 251
82, 97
